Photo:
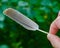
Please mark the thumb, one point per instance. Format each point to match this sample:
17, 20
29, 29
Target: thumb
55, 40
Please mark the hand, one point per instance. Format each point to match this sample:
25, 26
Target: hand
55, 40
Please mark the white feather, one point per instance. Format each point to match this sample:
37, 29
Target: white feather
22, 19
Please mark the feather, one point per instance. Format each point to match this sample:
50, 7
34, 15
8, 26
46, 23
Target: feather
22, 20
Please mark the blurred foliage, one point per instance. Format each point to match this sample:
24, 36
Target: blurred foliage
12, 35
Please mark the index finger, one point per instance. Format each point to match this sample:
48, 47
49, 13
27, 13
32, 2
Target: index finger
53, 28
55, 25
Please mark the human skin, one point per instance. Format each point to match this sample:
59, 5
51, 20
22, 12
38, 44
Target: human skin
55, 26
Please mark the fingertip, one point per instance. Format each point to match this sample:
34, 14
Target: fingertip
49, 36
53, 28
53, 38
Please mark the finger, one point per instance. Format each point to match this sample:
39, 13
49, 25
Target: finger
55, 41
55, 25
53, 28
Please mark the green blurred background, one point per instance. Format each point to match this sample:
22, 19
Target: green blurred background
43, 12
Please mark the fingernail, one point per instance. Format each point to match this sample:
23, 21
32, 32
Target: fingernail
53, 38
50, 36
